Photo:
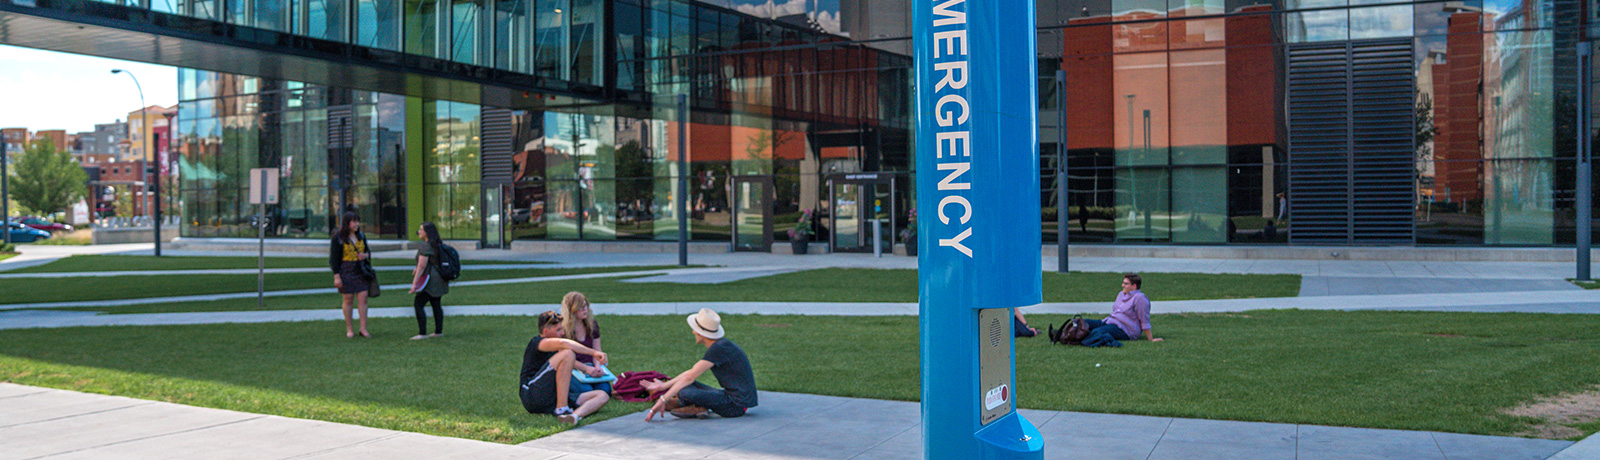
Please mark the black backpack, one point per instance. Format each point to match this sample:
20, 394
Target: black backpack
1071, 333
449, 262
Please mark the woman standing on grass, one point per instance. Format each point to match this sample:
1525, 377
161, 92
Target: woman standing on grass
346, 254
581, 327
426, 282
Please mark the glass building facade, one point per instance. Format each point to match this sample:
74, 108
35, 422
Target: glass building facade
1202, 122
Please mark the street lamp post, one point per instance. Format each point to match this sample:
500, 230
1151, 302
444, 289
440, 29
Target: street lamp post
5, 194
144, 121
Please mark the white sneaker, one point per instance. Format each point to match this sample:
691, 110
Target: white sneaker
565, 415
418, 337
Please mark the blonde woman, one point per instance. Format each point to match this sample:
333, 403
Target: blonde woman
581, 327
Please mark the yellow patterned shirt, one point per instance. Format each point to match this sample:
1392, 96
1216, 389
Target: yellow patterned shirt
353, 249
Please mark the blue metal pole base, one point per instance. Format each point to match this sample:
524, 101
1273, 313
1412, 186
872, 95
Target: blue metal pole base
1011, 438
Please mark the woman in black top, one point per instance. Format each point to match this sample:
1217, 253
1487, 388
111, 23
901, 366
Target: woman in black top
346, 253
426, 282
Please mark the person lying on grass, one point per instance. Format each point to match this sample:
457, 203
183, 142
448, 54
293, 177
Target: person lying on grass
547, 373
686, 398
1130, 317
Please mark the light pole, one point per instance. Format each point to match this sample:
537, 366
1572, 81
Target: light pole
144, 121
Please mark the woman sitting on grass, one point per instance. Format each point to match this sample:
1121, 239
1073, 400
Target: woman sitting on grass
581, 327
1130, 317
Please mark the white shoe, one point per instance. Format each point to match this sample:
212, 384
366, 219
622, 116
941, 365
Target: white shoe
418, 337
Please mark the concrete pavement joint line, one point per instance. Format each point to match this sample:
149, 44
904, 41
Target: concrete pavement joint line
24, 394
886, 440
125, 441
775, 429
1436, 444
1159, 438
64, 417
1586, 449
347, 446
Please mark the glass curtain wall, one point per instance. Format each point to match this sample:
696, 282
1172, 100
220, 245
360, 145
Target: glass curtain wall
1177, 132
559, 39
228, 125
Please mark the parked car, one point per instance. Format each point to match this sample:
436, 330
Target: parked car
45, 225
25, 234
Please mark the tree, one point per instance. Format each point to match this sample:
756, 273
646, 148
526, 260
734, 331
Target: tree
47, 181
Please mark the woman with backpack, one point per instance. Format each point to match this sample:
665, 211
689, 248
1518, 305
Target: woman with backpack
348, 255
427, 283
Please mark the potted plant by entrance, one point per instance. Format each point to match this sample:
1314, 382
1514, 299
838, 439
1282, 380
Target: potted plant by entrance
908, 236
800, 235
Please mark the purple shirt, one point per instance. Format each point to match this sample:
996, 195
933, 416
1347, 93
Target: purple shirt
1131, 312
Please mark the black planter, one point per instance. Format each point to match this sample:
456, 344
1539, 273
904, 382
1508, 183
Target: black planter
800, 243
911, 247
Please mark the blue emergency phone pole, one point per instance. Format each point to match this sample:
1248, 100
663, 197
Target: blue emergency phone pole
978, 192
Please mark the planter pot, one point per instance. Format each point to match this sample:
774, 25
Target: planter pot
911, 248
800, 245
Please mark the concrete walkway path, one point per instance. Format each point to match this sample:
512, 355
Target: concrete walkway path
38, 423
250, 271
1572, 302
402, 287
42, 423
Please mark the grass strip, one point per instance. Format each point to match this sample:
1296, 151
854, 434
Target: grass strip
32, 290
1451, 372
105, 263
820, 285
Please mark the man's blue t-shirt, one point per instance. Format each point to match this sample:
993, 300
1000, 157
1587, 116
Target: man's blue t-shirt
732, 369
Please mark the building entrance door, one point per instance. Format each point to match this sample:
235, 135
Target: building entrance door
752, 213
496, 214
860, 200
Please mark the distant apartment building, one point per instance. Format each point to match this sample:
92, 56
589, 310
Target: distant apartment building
102, 146
57, 137
141, 128
16, 139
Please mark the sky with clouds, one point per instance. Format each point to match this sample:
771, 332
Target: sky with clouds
50, 90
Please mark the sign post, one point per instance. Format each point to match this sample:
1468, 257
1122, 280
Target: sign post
978, 174
263, 191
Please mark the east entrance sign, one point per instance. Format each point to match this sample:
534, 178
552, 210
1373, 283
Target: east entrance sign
978, 192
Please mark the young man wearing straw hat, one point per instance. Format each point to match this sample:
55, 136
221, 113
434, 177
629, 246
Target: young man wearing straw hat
685, 397
547, 373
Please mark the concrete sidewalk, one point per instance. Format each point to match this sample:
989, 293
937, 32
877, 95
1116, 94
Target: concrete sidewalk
710, 272
57, 424
1444, 269
1565, 301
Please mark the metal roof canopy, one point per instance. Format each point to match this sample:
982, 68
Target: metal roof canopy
134, 34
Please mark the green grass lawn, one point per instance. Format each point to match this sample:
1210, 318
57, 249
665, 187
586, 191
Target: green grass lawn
30, 290
7, 255
1449, 372
103, 263
1586, 284
821, 285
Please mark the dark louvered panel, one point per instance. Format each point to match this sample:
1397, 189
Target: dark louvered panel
1350, 142
1383, 175
340, 133
497, 164
1319, 142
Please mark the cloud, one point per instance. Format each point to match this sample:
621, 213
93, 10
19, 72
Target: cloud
51, 90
